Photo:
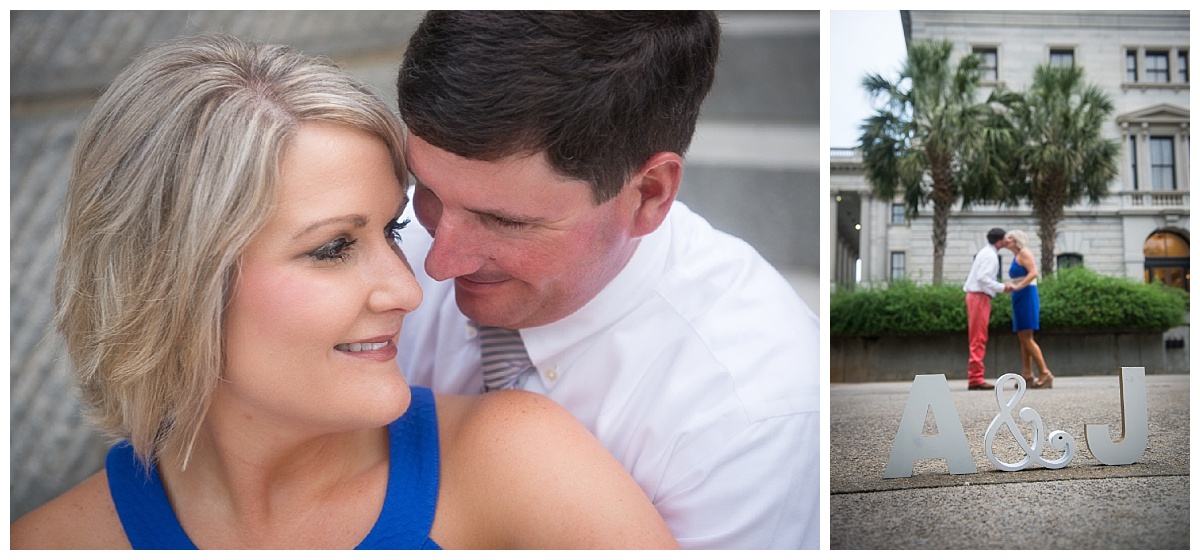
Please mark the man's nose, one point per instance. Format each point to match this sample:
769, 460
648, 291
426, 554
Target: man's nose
456, 249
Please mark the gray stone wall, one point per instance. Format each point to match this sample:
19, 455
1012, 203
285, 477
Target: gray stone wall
899, 358
754, 166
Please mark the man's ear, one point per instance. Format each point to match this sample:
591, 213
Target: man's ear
654, 188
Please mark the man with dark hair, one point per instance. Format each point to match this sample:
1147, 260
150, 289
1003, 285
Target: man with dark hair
546, 151
983, 283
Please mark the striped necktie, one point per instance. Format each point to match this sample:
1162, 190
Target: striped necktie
505, 361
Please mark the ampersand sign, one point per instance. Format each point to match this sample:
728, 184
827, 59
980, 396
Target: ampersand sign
1058, 439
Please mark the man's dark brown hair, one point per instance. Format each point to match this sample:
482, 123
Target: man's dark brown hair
599, 92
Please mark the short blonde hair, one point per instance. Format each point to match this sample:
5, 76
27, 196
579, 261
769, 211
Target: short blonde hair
174, 172
1019, 238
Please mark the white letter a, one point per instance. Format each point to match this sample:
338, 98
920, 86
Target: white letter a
930, 392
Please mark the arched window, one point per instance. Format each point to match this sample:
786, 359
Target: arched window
1068, 260
1167, 259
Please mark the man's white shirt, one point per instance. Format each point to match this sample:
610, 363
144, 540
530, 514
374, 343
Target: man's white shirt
697, 367
984, 269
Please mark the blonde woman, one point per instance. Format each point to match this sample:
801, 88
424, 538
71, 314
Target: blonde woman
1026, 308
231, 287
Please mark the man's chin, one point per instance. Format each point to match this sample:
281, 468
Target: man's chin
485, 309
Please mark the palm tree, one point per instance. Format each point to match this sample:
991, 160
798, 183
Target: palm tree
1060, 158
931, 140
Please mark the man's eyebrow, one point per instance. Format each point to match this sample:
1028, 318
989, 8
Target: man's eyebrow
353, 220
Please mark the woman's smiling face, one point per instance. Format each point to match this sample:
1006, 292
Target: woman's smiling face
322, 291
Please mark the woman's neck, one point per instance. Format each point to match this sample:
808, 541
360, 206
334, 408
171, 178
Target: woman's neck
252, 484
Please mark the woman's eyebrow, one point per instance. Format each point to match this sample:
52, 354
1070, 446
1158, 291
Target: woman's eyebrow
353, 220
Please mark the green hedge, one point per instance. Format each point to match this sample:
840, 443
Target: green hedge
1073, 300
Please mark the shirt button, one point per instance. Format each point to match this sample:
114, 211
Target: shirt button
552, 374
471, 331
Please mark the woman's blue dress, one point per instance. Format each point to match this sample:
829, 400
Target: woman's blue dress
1025, 304
408, 508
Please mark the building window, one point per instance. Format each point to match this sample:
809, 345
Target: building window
897, 265
1157, 71
898, 214
1062, 57
1158, 141
989, 70
1068, 260
1162, 163
1133, 160
1157, 66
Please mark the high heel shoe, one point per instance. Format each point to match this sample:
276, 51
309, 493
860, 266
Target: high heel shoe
1030, 380
1047, 381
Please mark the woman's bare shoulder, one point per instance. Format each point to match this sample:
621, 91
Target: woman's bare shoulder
504, 421
1028, 258
533, 473
82, 518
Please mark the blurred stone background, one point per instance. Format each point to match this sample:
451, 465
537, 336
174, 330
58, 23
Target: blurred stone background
753, 170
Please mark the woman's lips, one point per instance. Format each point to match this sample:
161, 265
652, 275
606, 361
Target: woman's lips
377, 350
360, 346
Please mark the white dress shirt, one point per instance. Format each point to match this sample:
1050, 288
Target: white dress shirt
984, 269
697, 367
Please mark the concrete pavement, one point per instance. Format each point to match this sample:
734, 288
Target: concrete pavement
1085, 505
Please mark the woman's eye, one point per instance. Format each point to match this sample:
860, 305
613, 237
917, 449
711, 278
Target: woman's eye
392, 230
334, 250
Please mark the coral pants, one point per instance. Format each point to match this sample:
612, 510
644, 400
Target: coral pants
979, 310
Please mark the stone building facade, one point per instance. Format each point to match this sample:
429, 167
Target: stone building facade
1140, 230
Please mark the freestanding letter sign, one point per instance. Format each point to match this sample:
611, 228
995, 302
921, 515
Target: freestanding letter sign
930, 391
1135, 424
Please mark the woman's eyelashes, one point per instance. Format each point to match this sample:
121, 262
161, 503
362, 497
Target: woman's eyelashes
339, 249
392, 230
336, 250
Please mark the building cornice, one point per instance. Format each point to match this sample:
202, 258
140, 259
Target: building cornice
1146, 20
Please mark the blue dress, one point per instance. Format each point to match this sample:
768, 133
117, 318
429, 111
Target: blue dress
408, 507
1025, 304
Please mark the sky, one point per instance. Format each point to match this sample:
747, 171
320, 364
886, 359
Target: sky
860, 43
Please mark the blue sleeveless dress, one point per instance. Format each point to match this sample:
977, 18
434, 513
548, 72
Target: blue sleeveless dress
1025, 304
408, 507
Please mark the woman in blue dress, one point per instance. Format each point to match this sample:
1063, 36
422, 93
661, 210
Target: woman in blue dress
1026, 308
231, 285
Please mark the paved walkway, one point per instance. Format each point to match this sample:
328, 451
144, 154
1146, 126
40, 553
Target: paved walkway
1085, 505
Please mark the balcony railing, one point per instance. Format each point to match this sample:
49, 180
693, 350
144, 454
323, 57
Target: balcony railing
1155, 199
843, 153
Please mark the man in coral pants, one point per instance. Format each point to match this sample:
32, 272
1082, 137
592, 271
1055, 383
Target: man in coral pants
981, 286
